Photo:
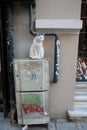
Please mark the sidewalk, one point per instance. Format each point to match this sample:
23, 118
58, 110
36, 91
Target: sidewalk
59, 124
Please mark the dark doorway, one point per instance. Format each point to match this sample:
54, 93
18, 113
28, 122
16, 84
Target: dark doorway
1, 89
4, 84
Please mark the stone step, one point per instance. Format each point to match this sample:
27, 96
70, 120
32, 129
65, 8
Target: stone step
80, 103
81, 85
80, 93
80, 106
81, 90
77, 114
80, 98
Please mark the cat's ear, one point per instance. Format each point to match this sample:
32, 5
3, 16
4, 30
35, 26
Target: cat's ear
42, 34
38, 34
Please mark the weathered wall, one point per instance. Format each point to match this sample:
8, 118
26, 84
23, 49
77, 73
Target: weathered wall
62, 93
58, 9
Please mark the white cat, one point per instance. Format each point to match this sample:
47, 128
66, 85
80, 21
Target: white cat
37, 50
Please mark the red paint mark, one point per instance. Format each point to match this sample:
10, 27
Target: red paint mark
32, 108
25, 108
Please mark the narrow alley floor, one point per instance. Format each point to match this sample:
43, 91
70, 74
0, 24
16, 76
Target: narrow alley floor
58, 124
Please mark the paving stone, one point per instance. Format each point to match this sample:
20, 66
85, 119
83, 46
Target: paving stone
51, 126
66, 126
79, 126
54, 125
6, 125
84, 125
38, 127
61, 120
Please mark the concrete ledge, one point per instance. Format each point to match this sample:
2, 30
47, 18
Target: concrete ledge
81, 85
81, 107
62, 25
73, 114
80, 98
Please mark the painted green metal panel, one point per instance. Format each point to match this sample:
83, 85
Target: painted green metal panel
32, 105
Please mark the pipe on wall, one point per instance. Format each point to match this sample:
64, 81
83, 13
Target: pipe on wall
57, 44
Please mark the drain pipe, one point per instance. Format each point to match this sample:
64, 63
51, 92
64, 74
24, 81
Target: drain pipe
57, 44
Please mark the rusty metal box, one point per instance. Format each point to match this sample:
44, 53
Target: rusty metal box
31, 75
32, 107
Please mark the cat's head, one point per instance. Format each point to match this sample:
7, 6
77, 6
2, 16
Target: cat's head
39, 39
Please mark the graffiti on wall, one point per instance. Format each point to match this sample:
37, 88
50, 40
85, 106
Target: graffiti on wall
32, 103
32, 108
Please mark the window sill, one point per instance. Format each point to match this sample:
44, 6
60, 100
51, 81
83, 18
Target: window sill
59, 25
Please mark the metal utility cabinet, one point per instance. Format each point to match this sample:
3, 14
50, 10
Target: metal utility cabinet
32, 90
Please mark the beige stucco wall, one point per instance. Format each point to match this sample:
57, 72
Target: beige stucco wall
58, 9
61, 93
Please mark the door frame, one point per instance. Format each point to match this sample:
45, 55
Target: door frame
7, 56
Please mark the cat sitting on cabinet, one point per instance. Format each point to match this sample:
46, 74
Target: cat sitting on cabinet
36, 49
